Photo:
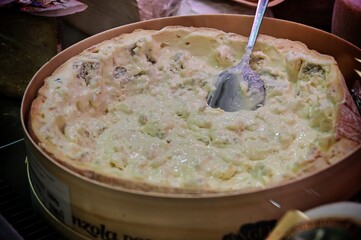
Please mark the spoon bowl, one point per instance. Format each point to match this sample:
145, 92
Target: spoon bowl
239, 87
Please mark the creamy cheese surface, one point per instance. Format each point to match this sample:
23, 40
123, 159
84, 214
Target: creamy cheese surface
135, 108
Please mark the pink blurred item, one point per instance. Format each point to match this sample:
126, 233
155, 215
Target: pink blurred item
193, 7
149, 9
253, 3
346, 20
48, 8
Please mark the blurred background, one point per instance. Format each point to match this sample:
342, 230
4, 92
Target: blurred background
32, 32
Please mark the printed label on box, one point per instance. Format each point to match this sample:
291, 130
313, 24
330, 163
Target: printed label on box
53, 193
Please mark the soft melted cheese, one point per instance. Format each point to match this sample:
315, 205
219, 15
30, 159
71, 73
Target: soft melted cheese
135, 108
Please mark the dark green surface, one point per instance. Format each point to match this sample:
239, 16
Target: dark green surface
26, 43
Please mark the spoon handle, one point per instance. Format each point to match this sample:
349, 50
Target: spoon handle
261, 8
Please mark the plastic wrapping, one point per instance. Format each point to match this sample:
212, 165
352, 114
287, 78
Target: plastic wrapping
149, 9
191, 7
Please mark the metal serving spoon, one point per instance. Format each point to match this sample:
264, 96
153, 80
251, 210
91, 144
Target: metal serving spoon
240, 88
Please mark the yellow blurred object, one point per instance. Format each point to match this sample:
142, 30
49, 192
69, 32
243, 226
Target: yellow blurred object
340, 220
291, 219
